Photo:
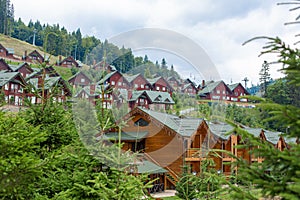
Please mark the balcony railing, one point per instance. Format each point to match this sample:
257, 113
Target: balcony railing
195, 154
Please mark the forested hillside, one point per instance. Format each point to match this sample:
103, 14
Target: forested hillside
57, 40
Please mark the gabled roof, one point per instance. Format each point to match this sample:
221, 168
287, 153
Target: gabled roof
5, 64
233, 86
87, 90
220, 129
38, 71
17, 67
69, 58
154, 80
172, 78
106, 77
35, 52
183, 126
10, 76
75, 75
131, 78
153, 96
210, 87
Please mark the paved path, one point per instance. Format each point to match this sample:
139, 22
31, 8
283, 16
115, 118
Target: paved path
167, 193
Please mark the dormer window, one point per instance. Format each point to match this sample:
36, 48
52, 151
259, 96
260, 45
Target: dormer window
141, 122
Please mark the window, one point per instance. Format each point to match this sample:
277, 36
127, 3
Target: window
119, 83
157, 87
113, 82
164, 89
223, 91
142, 86
141, 122
6, 86
135, 85
82, 80
218, 91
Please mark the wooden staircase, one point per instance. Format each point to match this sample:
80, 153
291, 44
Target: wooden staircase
171, 176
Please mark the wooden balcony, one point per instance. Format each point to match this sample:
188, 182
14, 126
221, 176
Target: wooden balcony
194, 154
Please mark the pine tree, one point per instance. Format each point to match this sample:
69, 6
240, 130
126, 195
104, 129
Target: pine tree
264, 76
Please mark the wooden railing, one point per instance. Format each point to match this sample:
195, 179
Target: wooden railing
171, 173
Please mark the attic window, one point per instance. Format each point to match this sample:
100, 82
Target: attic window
141, 122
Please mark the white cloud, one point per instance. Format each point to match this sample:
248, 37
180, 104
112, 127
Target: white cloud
219, 27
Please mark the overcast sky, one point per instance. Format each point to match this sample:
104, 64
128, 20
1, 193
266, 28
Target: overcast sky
219, 27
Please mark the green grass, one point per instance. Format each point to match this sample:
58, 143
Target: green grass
20, 47
64, 72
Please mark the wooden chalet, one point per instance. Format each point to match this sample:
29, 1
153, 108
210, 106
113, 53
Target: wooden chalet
160, 84
115, 80
238, 91
12, 86
104, 66
6, 52
69, 62
172, 142
189, 89
175, 83
154, 100
55, 88
24, 69
138, 82
215, 91
163, 139
4, 66
79, 80
33, 57
94, 93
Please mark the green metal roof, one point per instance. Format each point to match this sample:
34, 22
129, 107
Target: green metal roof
184, 126
126, 136
154, 96
131, 78
6, 77
210, 87
148, 167
153, 80
107, 76
233, 86
220, 129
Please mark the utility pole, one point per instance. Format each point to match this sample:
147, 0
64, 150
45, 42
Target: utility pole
245, 80
33, 41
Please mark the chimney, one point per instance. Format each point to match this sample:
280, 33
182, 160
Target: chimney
92, 89
94, 62
59, 59
25, 56
203, 83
